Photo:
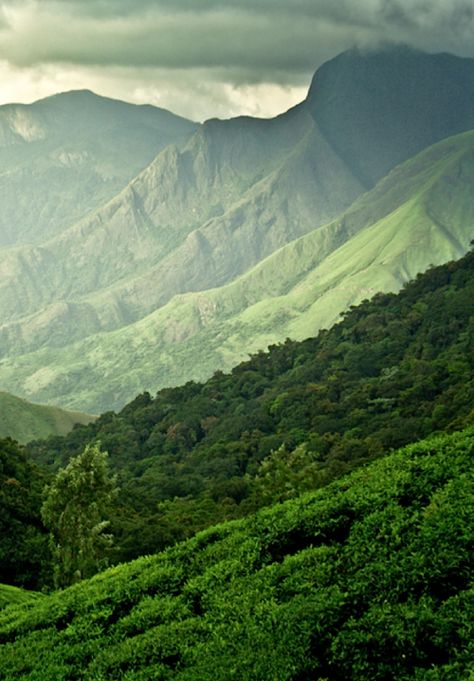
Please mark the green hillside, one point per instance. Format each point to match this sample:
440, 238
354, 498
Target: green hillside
11, 595
196, 217
370, 578
422, 213
24, 421
394, 370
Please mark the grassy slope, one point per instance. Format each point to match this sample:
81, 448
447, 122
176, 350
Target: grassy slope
370, 578
421, 214
11, 595
24, 421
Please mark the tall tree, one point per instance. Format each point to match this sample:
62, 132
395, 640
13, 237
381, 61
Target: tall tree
75, 511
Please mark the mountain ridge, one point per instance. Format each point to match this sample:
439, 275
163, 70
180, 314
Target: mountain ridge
205, 212
61, 158
295, 291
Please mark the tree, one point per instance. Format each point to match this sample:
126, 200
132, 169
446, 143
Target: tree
74, 510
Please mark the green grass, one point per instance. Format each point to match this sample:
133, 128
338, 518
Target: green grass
369, 578
24, 421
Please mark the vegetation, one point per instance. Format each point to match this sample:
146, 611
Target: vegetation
296, 533
369, 578
10, 595
24, 554
394, 370
24, 421
301, 288
64, 156
74, 509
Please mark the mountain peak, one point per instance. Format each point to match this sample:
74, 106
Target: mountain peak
400, 96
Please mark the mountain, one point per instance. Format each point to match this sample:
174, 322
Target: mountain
24, 421
420, 214
195, 218
208, 211
370, 578
64, 156
379, 108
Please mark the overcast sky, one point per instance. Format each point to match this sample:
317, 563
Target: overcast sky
205, 58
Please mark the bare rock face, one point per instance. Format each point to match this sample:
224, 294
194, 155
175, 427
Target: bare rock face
379, 108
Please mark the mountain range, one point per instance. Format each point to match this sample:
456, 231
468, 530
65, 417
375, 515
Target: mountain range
229, 235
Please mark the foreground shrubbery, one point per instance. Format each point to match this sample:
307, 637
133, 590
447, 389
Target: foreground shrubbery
369, 578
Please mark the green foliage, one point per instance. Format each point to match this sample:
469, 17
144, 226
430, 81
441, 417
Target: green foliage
369, 578
12, 594
24, 553
394, 370
235, 283
74, 511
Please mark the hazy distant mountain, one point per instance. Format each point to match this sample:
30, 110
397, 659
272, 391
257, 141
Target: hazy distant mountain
378, 109
211, 209
24, 421
65, 155
195, 218
422, 213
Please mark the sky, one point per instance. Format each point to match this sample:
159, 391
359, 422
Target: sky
207, 58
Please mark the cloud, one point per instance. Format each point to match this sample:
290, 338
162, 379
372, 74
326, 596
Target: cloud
259, 38
221, 49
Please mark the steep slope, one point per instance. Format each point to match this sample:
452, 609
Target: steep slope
421, 214
195, 218
370, 578
395, 369
62, 157
24, 421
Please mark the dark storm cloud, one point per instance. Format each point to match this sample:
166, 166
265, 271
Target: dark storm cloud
256, 41
208, 57
363, 13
